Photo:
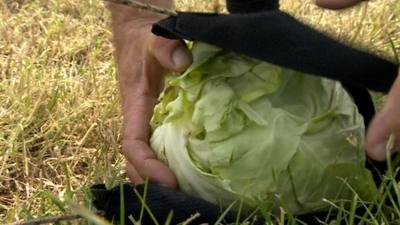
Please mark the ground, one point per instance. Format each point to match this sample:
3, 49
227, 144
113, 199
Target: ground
60, 118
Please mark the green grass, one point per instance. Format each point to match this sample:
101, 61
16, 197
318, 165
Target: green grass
59, 105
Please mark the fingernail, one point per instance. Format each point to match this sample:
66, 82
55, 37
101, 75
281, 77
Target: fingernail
180, 56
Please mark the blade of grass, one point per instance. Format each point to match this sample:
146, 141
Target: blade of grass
145, 207
122, 205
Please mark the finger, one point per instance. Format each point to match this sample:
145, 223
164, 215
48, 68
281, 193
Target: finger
171, 54
139, 100
386, 123
133, 175
146, 165
135, 145
337, 4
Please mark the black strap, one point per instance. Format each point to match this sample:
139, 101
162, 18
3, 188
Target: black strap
161, 201
247, 6
275, 37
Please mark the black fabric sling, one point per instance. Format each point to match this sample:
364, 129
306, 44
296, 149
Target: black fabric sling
258, 29
275, 37
161, 201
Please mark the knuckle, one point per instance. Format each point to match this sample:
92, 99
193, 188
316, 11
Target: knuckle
155, 43
159, 44
136, 151
127, 148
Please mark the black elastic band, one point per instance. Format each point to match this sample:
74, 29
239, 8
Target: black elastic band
278, 38
246, 6
161, 201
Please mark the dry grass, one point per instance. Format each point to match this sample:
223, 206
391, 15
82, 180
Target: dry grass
59, 108
59, 105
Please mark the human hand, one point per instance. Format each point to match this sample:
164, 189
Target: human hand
384, 125
143, 59
387, 122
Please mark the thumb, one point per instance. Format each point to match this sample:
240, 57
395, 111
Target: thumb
378, 134
173, 55
385, 124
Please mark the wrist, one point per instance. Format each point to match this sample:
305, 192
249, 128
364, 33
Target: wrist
121, 13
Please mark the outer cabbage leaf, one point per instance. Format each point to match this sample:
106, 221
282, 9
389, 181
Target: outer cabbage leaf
236, 129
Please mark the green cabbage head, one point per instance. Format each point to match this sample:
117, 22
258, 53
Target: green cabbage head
235, 129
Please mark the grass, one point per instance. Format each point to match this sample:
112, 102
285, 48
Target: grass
59, 105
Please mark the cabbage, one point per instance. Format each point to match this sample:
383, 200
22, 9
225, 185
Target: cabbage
235, 129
